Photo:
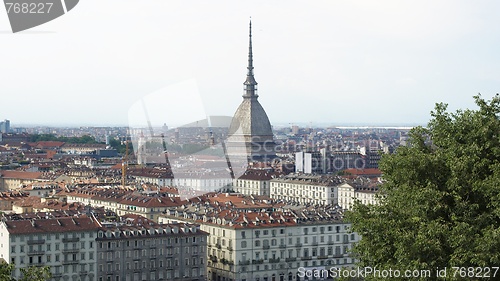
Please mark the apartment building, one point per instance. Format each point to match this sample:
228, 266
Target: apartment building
65, 244
139, 249
350, 192
306, 189
268, 243
255, 182
122, 201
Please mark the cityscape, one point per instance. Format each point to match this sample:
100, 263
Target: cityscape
312, 175
231, 198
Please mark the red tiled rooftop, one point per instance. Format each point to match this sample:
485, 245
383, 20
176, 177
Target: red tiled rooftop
59, 225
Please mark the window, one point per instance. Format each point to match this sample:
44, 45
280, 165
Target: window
243, 244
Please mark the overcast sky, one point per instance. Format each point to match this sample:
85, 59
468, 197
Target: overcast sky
319, 62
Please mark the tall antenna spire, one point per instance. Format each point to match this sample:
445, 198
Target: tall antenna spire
250, 55
250, 83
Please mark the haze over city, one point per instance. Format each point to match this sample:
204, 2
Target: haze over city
338, 63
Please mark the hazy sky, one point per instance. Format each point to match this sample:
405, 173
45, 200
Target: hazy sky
329, 62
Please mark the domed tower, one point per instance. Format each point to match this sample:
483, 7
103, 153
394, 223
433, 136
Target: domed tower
250, 132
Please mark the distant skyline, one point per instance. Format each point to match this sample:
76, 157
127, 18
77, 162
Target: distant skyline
340, 63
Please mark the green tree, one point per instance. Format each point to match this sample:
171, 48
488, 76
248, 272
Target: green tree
32, 273
35, 273
441, 200
6, 271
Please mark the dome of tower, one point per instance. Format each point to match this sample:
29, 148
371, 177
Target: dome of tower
251, 119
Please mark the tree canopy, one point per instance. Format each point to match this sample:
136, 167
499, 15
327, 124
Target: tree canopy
440, 204
31, 273
86, 139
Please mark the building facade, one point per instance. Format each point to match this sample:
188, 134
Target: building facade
144, 250
306, 189
255, 182
67, 245
272, 246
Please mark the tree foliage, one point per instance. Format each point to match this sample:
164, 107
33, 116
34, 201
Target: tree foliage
32, 273
441, 200
35, 273
86, 139
6, 271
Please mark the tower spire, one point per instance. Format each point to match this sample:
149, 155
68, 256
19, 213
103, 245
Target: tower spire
250, 83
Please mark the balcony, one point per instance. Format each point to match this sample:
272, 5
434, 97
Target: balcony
265, 247
330, 242
315, 243
306, 258
261, 261
68, 240
276, 260
298, 244
229, 248
70, 250
70, 262
322, 257
37, 241
282, 246
290, 259
36, 253
226, 262
244, 262
213, 258
218, 246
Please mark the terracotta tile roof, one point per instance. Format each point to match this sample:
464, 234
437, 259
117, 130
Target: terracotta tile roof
47, 144
21, 175
59, 225
363, 172
85, 145
258, 174
30, 201
12, 195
